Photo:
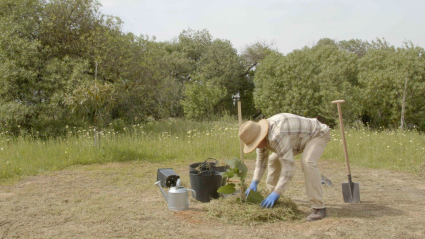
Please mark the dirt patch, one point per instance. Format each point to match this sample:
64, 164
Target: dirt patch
120, 200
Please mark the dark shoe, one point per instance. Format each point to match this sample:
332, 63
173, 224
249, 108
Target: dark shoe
317, 214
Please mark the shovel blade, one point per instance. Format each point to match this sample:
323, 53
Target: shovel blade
351, 193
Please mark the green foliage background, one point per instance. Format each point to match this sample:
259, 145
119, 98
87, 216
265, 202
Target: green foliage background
49, 50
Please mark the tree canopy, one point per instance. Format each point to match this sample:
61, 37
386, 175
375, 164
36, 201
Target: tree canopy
62, 62
384, 73
304, 82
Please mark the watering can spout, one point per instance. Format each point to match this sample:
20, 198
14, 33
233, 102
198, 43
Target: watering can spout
160, 188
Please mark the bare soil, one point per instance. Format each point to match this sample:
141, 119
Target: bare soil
120, 200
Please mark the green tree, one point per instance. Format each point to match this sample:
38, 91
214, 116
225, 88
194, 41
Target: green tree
191, 46
251, 56
199, 56
220, 65
204, 61
47, 49
24, 81
201, 99
305, 81
387, 76
90, 102
147, 86
355, 46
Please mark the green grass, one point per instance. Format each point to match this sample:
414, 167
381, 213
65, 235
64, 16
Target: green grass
188, 141
387, 149
176, 140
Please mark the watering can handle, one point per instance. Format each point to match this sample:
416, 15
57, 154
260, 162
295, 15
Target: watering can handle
193, 192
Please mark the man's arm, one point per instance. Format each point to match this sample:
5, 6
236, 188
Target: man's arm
286, 157
286, 174
261, 163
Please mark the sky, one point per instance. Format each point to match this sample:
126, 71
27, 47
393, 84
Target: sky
287, 24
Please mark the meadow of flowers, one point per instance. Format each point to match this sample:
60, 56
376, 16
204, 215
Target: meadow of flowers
187, 141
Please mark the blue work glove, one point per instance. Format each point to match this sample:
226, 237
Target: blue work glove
253, 186
270, 200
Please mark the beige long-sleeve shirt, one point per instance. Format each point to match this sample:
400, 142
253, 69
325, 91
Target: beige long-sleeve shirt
288, 134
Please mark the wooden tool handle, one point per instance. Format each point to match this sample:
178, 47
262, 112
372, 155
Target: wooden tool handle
338, 101
240, 124
347, 163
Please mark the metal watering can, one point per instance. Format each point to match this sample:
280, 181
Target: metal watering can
178, 197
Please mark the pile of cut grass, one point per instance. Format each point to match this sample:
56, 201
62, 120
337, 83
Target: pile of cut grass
232, 211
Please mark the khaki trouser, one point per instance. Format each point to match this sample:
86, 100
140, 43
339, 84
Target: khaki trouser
310, 156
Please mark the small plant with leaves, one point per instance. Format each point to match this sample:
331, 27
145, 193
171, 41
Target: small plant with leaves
239, 169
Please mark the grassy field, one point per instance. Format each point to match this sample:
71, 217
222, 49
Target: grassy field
181, 140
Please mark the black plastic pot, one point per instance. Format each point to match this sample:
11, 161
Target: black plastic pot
209, 165
205, 184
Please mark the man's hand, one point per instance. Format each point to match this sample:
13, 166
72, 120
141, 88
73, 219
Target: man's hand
253, 186
270, 200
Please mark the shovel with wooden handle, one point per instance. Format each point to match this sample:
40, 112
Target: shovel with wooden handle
350, 190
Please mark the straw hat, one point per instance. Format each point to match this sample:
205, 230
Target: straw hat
252, 134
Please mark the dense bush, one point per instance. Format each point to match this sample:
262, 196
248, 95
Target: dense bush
305, 82
380, 83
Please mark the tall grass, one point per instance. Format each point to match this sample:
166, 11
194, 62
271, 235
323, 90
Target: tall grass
177, 140
388, 149
188, 141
